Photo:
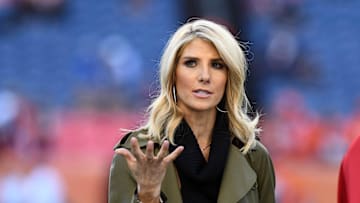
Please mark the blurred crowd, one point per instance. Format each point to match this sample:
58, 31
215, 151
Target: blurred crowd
11, 8
25, 150
114, 71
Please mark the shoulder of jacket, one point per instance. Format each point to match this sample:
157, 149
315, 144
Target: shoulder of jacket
260, 148
259, 151
257, 147
124, 142
258, 156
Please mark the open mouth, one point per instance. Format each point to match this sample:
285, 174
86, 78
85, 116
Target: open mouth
202, 93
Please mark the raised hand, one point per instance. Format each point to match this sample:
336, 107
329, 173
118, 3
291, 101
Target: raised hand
147, 168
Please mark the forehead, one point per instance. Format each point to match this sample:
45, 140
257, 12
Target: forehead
199, 47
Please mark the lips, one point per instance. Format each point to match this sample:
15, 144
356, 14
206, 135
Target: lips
202, 93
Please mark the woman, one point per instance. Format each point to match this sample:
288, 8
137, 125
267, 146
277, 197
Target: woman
198, 144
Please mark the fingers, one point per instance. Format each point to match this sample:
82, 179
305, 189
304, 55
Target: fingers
149, 153
163, 150
137, 154
126, 154
173, 155
135, 148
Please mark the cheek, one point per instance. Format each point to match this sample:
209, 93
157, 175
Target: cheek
182, 80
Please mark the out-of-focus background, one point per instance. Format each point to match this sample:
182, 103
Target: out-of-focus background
73, 73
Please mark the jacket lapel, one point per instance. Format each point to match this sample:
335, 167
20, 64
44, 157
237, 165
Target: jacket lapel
171, 185
238, 177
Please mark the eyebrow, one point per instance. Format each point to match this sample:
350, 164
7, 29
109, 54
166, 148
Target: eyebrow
196, 58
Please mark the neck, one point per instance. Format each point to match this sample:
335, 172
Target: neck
202, 125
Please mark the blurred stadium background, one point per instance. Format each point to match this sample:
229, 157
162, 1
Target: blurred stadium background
73, 73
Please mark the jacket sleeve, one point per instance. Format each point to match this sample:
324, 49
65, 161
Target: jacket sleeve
122, 186
263, 165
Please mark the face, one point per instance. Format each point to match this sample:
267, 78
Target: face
200, 77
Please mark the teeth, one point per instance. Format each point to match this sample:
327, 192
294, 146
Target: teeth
202, 92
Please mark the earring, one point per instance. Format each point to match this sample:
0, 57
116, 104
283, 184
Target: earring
174, 94
222, 111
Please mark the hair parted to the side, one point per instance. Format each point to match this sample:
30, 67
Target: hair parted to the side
164, 115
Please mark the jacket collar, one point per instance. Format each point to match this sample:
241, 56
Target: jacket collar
238, 178
125, 141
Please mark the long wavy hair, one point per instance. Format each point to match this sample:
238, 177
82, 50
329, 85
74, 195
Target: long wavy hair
163, 113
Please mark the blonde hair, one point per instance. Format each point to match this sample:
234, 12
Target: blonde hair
164, 115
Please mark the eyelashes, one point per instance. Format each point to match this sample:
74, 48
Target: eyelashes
190, 63
217, 64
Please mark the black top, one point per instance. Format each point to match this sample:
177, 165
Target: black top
200, 180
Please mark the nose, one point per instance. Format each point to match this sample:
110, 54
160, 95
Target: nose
204, 74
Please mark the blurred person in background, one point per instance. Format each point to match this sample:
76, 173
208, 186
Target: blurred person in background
25, 175
11, 8
199, 144
43, 6
41, 182
7, 9
9, 169
125, 65
300, 137
349, 177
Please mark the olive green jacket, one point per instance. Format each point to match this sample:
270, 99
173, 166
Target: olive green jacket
247, 178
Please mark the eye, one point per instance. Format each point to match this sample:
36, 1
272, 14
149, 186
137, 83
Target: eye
190, 63
218, 65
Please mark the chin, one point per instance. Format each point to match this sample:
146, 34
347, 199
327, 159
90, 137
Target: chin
203, 108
